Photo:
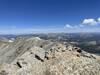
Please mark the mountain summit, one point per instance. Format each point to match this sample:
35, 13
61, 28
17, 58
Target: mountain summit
35, 56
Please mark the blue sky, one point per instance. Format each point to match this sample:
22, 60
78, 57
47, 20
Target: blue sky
42, 16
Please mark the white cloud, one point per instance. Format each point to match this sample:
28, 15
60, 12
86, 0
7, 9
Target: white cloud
68, 26
74, 26
98, 19
88, 25
91, 22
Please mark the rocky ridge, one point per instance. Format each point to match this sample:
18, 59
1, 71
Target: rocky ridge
35, 56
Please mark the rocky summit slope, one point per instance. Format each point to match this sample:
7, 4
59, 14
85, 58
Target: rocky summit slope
34, 56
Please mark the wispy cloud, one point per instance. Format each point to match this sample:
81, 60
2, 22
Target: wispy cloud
16, 30
73, 26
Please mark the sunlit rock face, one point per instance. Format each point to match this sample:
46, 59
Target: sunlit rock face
34, 56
